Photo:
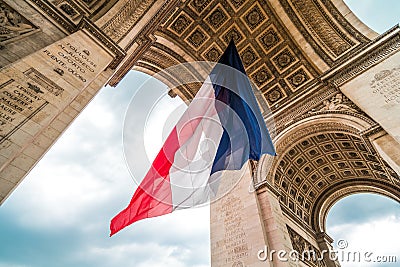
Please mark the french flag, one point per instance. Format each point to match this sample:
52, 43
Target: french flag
221, 130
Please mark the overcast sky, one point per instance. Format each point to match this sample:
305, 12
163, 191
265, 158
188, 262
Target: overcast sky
59, 215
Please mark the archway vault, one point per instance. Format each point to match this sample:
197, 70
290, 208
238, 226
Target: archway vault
285, 44
321, 159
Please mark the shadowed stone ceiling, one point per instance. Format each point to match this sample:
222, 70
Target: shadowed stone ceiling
284, 44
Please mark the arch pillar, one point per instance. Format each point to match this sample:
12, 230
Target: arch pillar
275, 227
47, 90
322, 157
388, 148
325, 244
236, 227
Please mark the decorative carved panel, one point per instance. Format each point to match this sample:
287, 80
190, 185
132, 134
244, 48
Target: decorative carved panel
236, 3
249, 56
298, 78
262, 76
254, 17
307, 252
275, 95
181, 23
197, 37
217, 17
199, 5
233, 33
213, 54
284, 59
117, 27
12, 24
269, 38
324, 27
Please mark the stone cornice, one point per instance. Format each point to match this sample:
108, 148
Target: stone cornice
370, 55
85, 24
127, 65
63, 22
119, 53
144, 39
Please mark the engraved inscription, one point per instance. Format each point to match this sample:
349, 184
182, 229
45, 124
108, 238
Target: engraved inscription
386, 84
17, 105
73, 60
21, 101
43, 82
234, 242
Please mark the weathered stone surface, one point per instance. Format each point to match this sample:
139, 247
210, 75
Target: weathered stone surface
236, 229
377, 92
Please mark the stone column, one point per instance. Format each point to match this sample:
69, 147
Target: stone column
237, 233
325, 245
275, 227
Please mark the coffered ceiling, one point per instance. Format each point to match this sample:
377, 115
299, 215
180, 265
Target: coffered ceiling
284, 44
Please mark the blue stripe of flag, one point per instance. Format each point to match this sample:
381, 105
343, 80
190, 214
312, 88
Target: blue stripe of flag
245, 134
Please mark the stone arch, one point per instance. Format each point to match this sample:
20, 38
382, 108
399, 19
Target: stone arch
169, 61
309, 124
322, 158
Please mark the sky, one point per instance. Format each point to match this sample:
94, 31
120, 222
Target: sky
60, 213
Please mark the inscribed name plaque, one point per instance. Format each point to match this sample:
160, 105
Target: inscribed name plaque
35, 92
21, 102
377, 93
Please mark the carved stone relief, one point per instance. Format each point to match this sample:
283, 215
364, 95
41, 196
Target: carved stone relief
271, 59
307, 252
120, 25
12, 24
322, 27
339, 102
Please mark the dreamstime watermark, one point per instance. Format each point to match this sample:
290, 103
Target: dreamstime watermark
341, 254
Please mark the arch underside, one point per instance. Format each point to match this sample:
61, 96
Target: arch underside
322, 159
284, 44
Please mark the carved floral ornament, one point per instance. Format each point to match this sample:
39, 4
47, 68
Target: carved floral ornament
12, 24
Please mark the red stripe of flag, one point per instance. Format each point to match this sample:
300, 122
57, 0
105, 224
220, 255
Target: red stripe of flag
153, 197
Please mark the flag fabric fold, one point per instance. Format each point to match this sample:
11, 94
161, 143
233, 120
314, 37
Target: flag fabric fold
221, 129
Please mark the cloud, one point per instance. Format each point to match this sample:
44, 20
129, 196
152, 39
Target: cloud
378, 15
364, 208
369, 223
60, 214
